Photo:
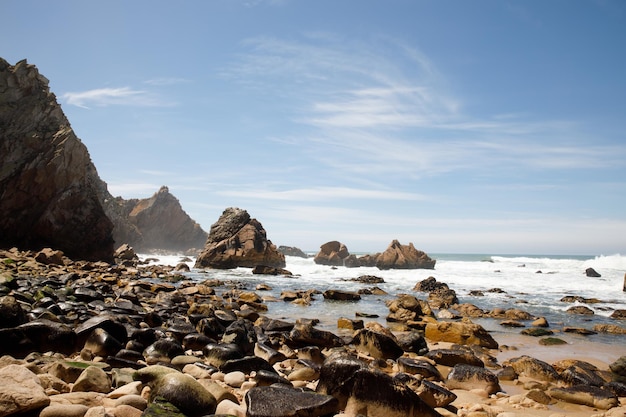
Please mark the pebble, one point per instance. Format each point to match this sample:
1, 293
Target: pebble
235, 378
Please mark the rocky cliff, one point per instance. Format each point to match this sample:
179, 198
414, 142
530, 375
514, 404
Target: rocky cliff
48, 183
155, 223
238, 240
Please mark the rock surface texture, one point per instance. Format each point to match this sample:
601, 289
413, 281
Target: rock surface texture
236, 240
158, 222
48, 183
332, 253
398, 256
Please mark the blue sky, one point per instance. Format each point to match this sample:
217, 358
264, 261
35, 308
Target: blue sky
473, 127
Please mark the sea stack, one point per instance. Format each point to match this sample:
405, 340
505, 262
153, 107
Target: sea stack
237, 240
48, 183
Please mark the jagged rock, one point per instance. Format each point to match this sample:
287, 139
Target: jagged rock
420, 367
292, 251
377, 345
398, 256
460, 333
332, 253
238, 240
48, 183
270, 270
126, 253
158, 222
452, 357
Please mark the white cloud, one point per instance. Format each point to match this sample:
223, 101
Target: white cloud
167, 81
322, 193
133, 190
102, 97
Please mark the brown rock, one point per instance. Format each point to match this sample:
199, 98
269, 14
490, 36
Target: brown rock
21, 391
398, 256
332, 253
460, 333
237, 240
48, 184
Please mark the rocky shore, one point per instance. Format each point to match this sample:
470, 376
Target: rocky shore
125, 339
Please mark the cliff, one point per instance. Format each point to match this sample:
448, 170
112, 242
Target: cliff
48, 183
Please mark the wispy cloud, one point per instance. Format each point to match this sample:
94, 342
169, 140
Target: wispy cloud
133, 190
167, 81
323, 193
121, 96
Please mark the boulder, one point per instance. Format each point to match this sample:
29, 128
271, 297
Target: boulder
48, 183
470, 377
377, 345
279, 402
592, 273
461, 333
398, 256
21, 391
236, 240
292, 251
586, 395
332, 253
533, 368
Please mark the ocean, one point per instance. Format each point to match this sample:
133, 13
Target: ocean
533, 283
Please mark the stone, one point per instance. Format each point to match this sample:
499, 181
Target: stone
540, 322
236, 240
533, 368
304, 334
21, 391
592, 273
185, 393
50, 256
279, 402
583, 310
292, 251
618, 368
247, 364
64, 410
92, 379
11, 313
339, 295
125, 253
412, 341
376, 345
398, 256
470, 377
429, 284
270, 270
332, 253
235, 378
460, 333
585, 395
101, 343
421, 367
46, 173
452, 357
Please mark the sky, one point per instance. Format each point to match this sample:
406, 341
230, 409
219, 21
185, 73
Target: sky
487, 126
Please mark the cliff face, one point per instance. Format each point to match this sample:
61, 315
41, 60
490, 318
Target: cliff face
48, 184
158, 222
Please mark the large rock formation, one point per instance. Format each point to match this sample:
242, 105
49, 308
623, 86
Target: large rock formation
238, 240
332, 253
48, 184
158, 222
398, 256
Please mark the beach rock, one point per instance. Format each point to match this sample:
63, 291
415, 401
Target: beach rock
46, 173
38, 336
452, 357
376, 345
533, 368
292, 251
429, 284
279, 402
101, 343
21, 391
236, 240
352, 261
304, 334
585, 395
184, 392
407, 308
125, 253
460, 333
368, 392
270, 270
217, 354
576, 372
421, 367
442, 298
49, 256
339, 295
92, 379
583, 310
398, 256
332, 253
470, 377
11, 313
64, 410
434, 395
592, 273
247, 364
618, 368
412, 341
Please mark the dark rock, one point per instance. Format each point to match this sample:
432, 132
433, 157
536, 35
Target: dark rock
280, 402
619, 314
241, 333
246, 365
270, 270
185, 393
618, 368
552, 341
11, 313
351, 262
419, 367
125, 253
332, 253
413, 342
533, 368
339, 295
265, 378
107, 323
537, 332
429, 284
101, 343
398, 256
442, 298
292, 251
470, 377
163, 348
238, 240
583, 310
305, 334
452, 357
217, 354
46, 173
592, 273
377, 345
368, 279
